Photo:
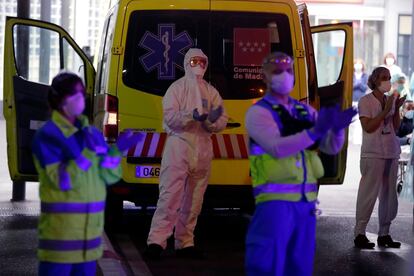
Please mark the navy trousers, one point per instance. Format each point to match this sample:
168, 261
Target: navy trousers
281, 239
79, 269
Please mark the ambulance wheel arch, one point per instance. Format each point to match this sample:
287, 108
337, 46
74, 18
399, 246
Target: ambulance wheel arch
35, 51
333, 51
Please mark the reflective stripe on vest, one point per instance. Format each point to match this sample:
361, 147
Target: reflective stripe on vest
283, 188
66, 245
83, 208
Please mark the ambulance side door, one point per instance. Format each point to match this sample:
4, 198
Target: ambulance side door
35, 51
333, 56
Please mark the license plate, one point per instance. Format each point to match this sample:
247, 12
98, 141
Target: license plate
147, 171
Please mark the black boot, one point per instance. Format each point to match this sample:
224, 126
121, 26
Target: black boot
386, 241
153, 251
361, 241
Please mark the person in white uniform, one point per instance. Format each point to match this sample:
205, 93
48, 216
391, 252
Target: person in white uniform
193, 110
380, 152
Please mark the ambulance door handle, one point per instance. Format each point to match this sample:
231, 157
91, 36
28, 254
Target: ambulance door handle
233, 125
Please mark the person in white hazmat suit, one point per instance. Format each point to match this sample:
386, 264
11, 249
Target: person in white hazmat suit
193, 110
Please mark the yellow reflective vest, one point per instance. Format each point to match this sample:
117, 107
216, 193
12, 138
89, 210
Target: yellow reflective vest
75, 165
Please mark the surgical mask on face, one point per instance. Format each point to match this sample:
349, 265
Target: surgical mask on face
384, 86
74, 105
358, 67
400, 88
282, 83
409, 114
389, 61
198, 71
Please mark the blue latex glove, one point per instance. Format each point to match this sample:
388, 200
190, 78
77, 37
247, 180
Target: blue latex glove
198, 117
127, 139
343, 119
215, 114
324, 121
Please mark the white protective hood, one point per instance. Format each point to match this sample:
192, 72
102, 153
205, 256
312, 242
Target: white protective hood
189, 75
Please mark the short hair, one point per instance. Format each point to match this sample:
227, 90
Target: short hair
374, 76
63, 85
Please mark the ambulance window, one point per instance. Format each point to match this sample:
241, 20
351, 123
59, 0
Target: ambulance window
41, 61
156, 44
72, 61
240, 41
329, 55
43, 54
104, 54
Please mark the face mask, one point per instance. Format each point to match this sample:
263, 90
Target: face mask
198, 71
74, 105
389, 61
409, 114
282, 83
400, 88
358, 67
385, 86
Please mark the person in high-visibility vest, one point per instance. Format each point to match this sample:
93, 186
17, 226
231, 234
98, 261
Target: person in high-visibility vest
284, 135
75, 165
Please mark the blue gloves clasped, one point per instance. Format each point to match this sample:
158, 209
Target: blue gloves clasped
198, 117
215, 114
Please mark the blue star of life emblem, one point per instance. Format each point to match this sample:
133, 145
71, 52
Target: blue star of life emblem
165, 50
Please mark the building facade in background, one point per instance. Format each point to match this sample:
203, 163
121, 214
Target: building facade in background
83, 19
380, 26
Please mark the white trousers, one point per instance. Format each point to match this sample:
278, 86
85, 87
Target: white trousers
379, 179
185, 170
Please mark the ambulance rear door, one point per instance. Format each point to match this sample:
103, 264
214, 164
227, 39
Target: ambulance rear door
34, 53
329, 55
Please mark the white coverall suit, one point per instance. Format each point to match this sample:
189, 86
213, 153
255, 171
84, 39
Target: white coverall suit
185, 165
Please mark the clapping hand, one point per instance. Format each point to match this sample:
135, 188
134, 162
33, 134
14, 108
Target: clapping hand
198, 117
343, 119
127, 139
215, 114
399, 102
323, 122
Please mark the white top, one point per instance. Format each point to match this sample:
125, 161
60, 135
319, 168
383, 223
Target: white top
383, 142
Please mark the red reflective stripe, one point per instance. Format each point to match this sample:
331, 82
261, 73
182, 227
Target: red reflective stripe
242, 146
131, 150
161, 143
216, 149
229, 148
147, 144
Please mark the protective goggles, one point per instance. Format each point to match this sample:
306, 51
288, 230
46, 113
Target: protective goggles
194, 61
278, 60
280, 64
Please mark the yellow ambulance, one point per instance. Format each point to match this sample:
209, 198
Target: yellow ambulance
141, 53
